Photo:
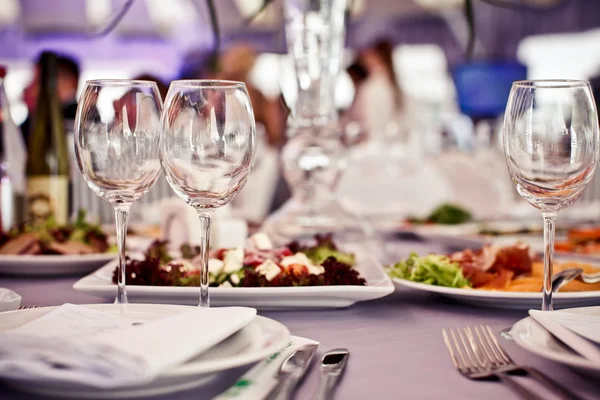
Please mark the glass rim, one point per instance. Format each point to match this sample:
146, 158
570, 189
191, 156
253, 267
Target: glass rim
120, 82
551, 83
209, 83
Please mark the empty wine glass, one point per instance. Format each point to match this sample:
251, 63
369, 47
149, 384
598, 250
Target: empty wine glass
551, 150
117, 134
207, 150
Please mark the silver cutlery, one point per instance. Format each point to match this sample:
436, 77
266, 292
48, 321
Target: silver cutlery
291, 371
333, 364
563, 277
476, 354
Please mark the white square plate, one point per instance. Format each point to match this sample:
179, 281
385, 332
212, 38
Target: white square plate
378, 285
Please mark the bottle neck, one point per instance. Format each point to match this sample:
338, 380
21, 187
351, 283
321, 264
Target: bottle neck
49, 78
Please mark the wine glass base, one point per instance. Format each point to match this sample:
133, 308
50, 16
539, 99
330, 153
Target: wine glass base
302, 221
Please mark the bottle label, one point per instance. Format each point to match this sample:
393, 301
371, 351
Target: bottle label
47, 196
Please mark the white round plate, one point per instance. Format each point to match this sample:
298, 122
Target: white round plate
455, 236
530, 335
258, 340
440, 230
493, 299
52, 265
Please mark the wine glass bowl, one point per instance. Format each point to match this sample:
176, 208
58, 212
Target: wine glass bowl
117, 146
117, 134
209, 142
207, 149
550, 152
551, 148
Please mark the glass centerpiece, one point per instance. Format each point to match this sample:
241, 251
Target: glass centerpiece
314, 156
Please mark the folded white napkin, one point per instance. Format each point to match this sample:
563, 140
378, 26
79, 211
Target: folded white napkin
9, 300
79, 345
577, 331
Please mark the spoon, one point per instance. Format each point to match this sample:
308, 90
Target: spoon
563, 277
559, 280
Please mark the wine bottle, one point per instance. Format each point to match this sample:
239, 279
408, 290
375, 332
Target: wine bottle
12, 164
48, 159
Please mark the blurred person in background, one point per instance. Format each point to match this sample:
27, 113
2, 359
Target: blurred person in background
68, 81
265, 188
354, 132
236, 64
128, 102
378, 98
163, 88
595, 84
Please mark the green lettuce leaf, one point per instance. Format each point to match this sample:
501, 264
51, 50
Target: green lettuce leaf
431, 269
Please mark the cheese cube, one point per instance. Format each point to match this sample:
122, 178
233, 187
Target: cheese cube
302, 259
269, 270
215, 266
233, 260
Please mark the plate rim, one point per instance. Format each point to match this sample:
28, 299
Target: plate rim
43, 258
241, 361
383, 286
474, 293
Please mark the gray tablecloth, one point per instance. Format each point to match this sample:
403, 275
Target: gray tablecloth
395, 344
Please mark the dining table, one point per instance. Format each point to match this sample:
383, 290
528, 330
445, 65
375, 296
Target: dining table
395, 343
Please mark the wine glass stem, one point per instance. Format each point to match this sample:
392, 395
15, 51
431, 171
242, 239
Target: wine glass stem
204, 248
549, 222
121, 217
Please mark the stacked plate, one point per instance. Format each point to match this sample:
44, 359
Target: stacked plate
253, 342
576, 346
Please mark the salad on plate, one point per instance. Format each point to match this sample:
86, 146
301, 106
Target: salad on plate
260, 264
511, 268
445, 214
50, 238
584, 240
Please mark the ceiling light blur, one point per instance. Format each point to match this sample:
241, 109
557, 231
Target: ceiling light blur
9, 12
357, 8
248, 8
167, 14
98, 12
440, 4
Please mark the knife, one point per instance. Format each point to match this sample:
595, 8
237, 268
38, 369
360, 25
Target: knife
291, 371
333, 364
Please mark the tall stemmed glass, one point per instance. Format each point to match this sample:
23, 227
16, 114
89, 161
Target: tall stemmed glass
551, 149
315, 157
207, 150
117, 133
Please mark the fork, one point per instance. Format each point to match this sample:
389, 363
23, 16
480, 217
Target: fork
506, 364
480, 356
468, 360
